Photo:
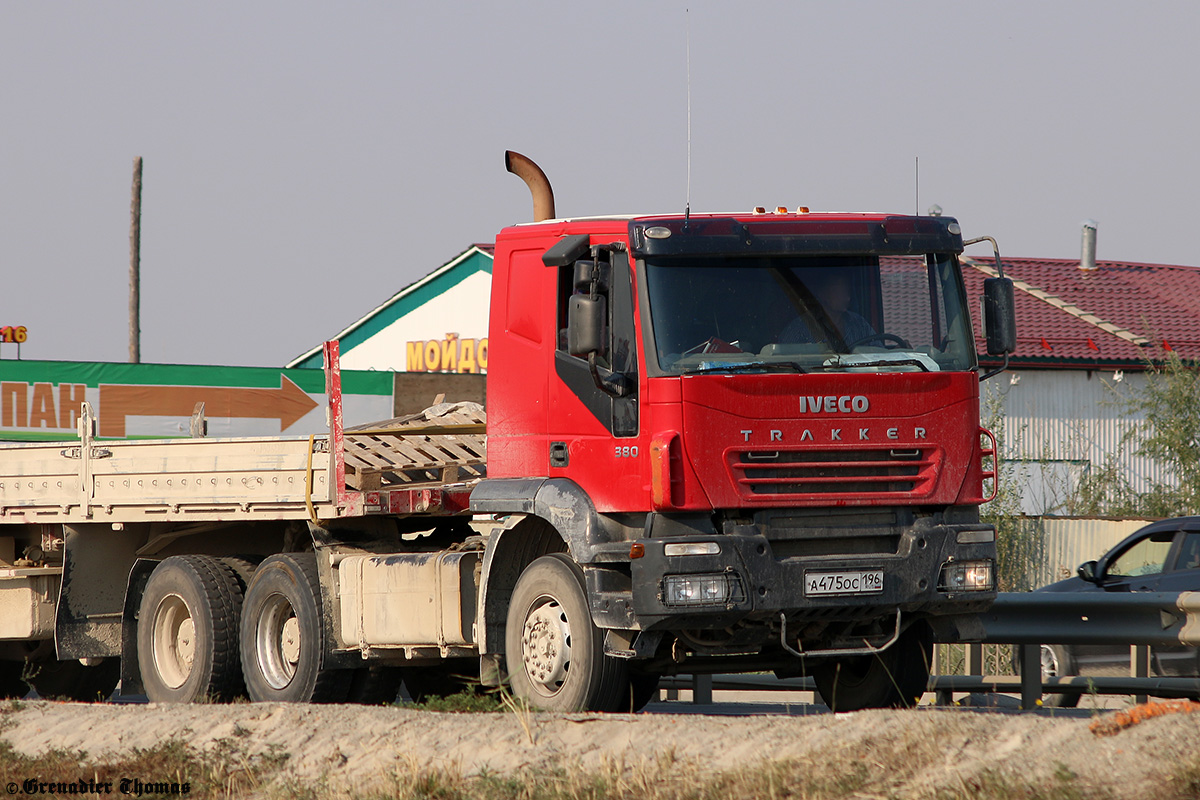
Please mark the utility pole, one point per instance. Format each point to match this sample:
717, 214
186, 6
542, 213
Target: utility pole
135, 266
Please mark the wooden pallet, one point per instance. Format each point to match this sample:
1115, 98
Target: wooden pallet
443, 444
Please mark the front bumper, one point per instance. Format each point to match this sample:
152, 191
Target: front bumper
765, 581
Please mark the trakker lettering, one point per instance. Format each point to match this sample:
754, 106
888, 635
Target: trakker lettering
832, 404
835, 434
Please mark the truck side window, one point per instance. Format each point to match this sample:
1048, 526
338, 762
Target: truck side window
566, 288
619, 415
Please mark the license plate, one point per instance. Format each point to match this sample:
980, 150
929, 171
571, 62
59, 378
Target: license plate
825, 583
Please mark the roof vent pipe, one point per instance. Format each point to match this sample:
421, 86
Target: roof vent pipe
1087, 261
536, 180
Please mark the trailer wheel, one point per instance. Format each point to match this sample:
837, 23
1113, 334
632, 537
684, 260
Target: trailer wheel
283, 643
895, 678
187, 633
243, 568
71, 680
555, 654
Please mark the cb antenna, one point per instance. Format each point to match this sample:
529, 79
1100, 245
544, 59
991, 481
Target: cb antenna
687, 203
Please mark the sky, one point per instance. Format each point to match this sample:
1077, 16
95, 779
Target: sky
303, 161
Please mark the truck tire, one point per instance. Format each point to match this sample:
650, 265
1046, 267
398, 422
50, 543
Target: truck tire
894, 678
243, 568
187, 632
282, 638
643, 687
71, 680
554, 652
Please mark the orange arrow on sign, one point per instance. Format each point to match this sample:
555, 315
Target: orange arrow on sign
287, 404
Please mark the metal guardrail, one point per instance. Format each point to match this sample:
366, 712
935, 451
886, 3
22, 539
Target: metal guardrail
1152, 618
1138, 619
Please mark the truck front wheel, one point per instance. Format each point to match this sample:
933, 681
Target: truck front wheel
282, 639
554, 652
187, 631
893, 678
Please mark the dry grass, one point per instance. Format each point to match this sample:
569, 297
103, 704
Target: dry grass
468, 701
779, 779
887, 768
171, 767
929, 756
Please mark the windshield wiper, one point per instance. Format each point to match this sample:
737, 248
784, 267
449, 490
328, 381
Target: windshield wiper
748, 366
836, 363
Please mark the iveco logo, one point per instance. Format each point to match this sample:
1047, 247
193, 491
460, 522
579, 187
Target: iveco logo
845, 404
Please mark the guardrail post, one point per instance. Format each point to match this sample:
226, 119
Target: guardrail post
975, 659
1139, 666
945, 697
1031, 674
702, 691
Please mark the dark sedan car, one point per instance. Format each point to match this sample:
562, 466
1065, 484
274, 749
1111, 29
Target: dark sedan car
1161, 557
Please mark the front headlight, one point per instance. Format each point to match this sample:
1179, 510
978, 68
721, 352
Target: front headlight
705, 589
967, 576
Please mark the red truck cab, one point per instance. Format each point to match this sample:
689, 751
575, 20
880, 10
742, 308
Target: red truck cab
756, 435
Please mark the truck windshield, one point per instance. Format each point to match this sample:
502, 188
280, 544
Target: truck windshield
809, 314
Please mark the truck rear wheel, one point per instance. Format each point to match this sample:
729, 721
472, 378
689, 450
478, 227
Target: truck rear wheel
187, 633
282, 638
554, 652
894, 678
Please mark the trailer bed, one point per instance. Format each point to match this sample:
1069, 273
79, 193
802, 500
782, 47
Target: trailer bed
423, 464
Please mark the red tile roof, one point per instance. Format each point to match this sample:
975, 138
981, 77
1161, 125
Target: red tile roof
1118, 315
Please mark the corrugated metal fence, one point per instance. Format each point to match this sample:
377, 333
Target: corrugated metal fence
1053, 547
1059, 426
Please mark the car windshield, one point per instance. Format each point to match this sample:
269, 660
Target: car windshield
808, 314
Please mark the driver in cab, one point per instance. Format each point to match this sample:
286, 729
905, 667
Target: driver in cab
831, 290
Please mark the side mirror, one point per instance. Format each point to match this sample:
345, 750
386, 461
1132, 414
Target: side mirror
999, 316
585, 325
1087, 571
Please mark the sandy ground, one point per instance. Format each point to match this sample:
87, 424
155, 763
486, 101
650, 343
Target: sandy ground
360, 747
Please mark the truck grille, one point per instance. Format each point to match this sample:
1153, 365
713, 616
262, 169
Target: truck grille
854, 473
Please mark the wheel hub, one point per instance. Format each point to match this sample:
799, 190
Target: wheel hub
185, 643
290, 641
1049, 663
278, 641
546, 645
174, 641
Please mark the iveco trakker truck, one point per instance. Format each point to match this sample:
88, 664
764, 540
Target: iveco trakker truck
713, 443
